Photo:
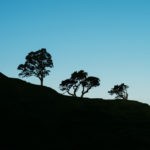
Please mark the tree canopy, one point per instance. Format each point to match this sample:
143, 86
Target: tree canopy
120, 91
36, 64
79, 79
89, 83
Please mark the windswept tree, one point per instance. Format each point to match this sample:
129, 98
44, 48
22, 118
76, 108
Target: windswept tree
77, 80
72, 84
67, 85
88, 84
37, 64
120, 91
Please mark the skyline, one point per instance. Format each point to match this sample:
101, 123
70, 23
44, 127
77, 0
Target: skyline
107, 39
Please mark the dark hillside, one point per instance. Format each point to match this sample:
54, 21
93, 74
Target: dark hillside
35, 117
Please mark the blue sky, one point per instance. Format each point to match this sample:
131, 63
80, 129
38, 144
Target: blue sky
109, 39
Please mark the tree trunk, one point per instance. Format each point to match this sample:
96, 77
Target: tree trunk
82, 95
41, 81
82, 92
75, 91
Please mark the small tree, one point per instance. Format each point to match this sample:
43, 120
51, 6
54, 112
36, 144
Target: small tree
88, 84
77, 80
73, 83
66, 85
120, 91
36, 64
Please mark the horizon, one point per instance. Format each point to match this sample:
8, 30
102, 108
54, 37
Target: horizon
108, 39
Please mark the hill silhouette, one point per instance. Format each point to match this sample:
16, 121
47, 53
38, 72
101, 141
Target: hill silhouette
35, 117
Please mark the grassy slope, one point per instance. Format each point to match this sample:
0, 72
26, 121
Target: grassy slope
39, 118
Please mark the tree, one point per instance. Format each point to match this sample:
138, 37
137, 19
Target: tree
66, 85
36, 64
120, 91
88, 84
77, 80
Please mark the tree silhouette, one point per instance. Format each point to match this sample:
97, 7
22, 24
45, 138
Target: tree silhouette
36, 64
66, 85
88, 84
120, 91
78, 77
77, 80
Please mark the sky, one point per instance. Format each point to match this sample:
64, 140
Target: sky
109, 39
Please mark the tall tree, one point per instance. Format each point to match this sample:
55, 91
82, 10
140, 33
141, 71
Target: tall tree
36, 64
120, 91
79, 79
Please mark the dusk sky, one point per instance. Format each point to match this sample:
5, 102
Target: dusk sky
109, 39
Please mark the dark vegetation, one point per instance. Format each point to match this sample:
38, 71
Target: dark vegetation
36, 64
120, 91
79, 79
35, 117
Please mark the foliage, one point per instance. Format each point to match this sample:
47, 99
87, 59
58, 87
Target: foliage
36, 64
89, 83
77, 80
120, 91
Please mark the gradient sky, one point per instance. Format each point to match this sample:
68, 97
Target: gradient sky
109, 39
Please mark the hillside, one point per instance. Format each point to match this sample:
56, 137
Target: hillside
35, 117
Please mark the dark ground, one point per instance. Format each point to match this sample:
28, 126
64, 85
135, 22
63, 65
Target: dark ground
33, 117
